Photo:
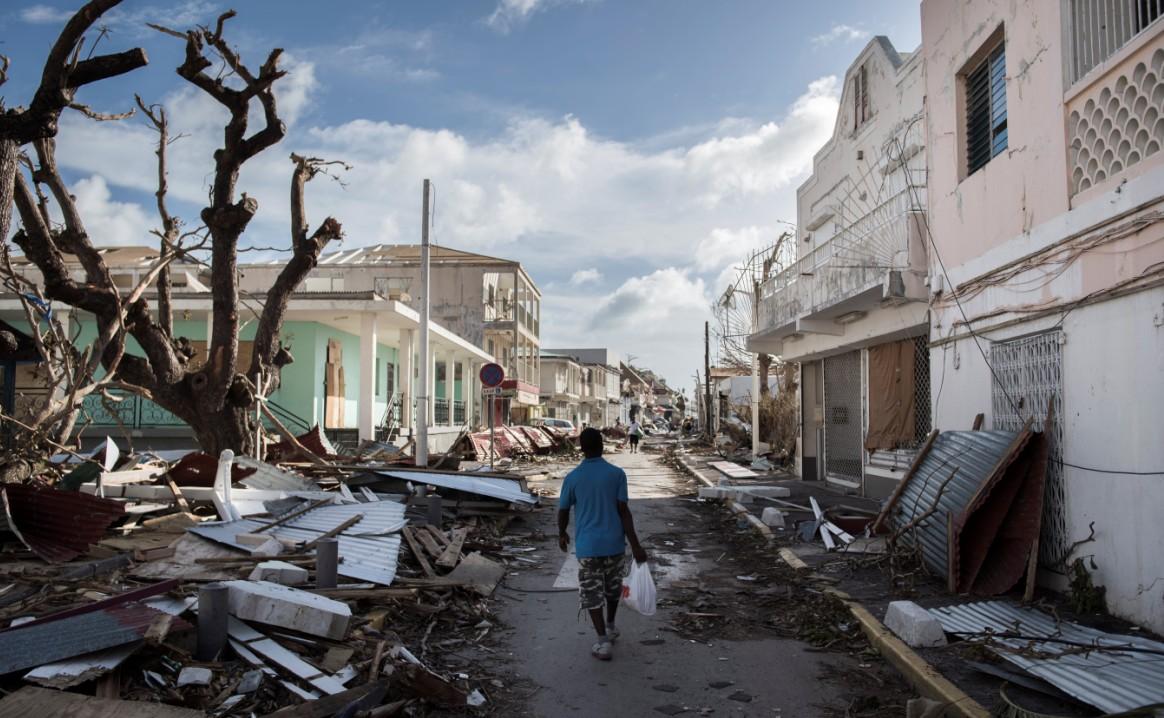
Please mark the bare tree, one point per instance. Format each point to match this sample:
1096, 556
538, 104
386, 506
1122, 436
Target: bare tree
215, 397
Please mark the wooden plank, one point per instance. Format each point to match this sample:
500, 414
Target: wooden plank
417, 552
331, 705
438, 535
33, 702
452, 554
429, 543
333, 532
731, 470
178, 496
917, 461
978, 422
369, 594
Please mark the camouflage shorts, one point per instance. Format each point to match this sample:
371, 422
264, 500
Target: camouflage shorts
600, 580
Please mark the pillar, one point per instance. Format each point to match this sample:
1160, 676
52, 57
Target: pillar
404, 351
366, 396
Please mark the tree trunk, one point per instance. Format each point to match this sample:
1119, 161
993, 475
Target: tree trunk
765, 366
8, 167
232, 428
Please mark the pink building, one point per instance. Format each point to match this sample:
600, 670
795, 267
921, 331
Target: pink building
1045, 122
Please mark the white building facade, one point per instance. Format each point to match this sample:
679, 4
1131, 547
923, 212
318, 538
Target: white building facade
851, 309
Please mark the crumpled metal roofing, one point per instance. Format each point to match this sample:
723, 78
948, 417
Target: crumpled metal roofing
56, 525
975, 455
368, 550
495, 488
33, 645
1111, 680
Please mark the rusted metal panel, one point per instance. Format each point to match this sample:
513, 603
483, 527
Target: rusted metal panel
974, 502
57, 525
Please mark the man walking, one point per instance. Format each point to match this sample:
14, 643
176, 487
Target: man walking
634, 433
603, 525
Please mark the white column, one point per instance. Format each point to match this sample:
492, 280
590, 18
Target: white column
407, 392
366, 396
469, 390
447, 360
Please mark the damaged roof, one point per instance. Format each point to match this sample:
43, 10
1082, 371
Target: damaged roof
1082, 662
56, 525
368, 549
503, 489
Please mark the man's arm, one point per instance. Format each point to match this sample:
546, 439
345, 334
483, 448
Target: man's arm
628, 529
563, 524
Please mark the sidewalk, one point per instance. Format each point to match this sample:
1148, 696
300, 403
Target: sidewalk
924, 677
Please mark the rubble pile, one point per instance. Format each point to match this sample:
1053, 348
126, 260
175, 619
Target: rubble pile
314, 584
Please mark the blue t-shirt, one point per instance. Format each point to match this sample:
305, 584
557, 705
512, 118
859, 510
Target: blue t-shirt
595, 487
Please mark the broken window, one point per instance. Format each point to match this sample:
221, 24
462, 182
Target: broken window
985, 86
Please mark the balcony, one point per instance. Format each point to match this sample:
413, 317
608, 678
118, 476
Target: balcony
877, 260
1115, 116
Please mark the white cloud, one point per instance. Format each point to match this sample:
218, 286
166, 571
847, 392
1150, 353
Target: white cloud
510, 13
840, 33
538, 191
45, 15
585, 276
109, 222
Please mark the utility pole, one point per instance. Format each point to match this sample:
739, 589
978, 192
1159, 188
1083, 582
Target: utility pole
755, 364
708, 429
422, 398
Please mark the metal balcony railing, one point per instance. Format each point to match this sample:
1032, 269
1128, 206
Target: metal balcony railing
440, 412
458, 413
874, 239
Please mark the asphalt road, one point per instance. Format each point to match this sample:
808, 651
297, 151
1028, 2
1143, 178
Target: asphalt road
655, 671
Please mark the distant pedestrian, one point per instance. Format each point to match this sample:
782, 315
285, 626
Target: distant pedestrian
603, 526
634, 432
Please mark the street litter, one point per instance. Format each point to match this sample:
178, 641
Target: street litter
1111, 672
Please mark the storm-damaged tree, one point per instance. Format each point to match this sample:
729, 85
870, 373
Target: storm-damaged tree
213, 394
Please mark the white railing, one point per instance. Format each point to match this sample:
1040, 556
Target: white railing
854, 260
1096, 29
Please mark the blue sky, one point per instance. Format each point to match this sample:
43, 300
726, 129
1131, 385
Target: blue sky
627, 151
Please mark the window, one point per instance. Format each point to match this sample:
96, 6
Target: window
860, 98
986, 109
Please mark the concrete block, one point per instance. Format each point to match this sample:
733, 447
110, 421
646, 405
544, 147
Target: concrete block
281, 572
289, 608
772, 492
270, 547
772, 517
914, 625
195, 676
711, 492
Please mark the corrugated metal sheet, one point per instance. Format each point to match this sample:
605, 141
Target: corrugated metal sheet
1112, 680
975, 455
268, 477
368, 550
34, 645
503, 489
57, 525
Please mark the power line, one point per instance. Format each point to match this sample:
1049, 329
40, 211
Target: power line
970, 328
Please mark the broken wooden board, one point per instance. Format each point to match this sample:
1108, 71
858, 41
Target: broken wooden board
289, 608
429, 543
417, 553
452, 554
272, 652
733, 471
33, 702
478, 573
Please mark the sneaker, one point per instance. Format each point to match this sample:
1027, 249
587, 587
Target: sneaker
601, 650
612, 632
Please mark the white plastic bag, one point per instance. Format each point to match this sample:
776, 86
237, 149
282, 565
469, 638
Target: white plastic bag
638, 589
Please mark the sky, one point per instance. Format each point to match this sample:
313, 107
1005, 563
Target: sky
630, 153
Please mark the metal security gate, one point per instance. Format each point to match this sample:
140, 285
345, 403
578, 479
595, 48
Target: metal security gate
843, 417
1027, 379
